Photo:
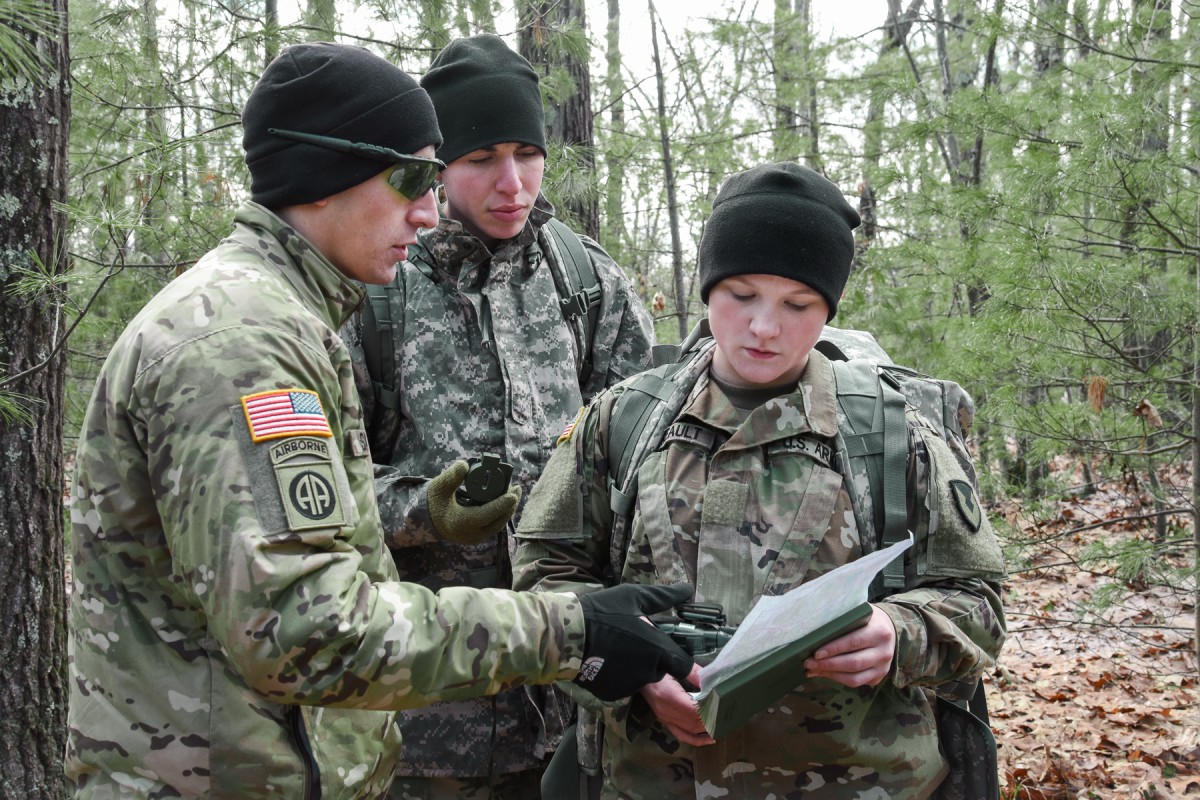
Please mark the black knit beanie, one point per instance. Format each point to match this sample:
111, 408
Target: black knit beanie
780, 219
335, 90
485, 94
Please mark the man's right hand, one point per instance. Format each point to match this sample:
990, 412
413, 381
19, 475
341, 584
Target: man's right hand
623, 652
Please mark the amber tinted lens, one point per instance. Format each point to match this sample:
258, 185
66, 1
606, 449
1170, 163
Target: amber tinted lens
413, 180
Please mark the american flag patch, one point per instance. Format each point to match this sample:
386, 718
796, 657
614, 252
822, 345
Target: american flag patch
285, 412
565, 436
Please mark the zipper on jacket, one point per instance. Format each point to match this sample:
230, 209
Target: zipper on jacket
312, 772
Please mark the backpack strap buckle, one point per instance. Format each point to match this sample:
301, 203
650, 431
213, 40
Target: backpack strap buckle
581, 302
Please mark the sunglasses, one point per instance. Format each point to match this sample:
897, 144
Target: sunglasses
412, 176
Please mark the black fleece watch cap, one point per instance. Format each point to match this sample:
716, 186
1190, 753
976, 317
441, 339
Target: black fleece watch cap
328, 89
485, 94
780, 219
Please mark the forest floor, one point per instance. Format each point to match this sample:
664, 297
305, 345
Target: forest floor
1095, 700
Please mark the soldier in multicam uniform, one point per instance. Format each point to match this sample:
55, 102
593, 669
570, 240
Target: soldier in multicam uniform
485, 363
742, 500
238, 629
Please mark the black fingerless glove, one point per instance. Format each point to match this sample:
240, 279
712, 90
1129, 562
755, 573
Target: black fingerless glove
623, 652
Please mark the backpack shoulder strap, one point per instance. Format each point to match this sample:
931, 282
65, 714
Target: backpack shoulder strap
578, 285
379, 343
873, 445
640, 417
381, 333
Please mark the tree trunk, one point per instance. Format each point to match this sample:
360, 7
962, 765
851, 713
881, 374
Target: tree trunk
569, 120
669, 177
1196, 454
895, 33
34, 116
1192, 117
270, 31
614, 186
795, 134
1152, 25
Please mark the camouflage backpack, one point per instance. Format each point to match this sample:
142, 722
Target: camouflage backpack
872, 456
579, 294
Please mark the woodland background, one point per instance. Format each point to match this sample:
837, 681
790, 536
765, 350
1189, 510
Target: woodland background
1028, 172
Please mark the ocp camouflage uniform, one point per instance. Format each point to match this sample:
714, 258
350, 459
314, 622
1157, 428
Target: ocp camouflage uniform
744, 506
486, 364
235, 616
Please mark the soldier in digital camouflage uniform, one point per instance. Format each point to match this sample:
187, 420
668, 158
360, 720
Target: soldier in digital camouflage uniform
485, 363
238, 629
742, 500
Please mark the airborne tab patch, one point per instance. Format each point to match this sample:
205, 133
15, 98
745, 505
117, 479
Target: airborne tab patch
285, 412
300, 446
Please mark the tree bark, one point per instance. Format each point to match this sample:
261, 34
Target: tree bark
34, 116
614, 188
1196, 454
669, 177
796, 131
270, 31
896, 31
570, 118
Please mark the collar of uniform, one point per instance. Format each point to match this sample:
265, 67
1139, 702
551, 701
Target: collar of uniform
820, 394
457, 253
314, 277
810, 408
542, 211
452, 250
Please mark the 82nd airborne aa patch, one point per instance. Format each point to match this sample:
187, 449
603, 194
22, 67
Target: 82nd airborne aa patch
967, 504
307, 485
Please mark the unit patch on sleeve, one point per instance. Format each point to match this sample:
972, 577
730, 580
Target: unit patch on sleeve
967, 504
307, 484
285, 412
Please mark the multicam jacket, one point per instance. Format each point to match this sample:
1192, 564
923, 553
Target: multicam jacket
486, 364
237, 626
744, 506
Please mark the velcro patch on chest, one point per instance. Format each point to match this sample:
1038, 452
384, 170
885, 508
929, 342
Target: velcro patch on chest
817, 450
284, 412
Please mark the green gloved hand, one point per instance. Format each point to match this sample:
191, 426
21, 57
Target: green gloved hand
467, 524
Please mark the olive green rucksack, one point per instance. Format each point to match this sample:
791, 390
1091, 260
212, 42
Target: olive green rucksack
580, 296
